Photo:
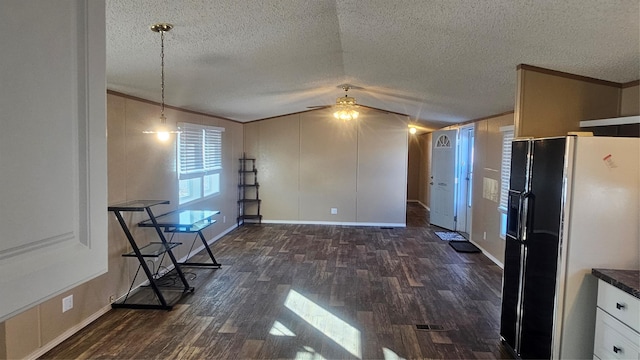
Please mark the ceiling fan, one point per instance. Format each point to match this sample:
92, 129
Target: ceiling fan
345, 87
346, 106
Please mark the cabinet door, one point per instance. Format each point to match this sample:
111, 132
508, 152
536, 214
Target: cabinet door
614, 340
619, 304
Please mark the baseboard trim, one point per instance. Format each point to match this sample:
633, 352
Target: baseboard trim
224, 232
339, 223
210, 241
168, 268
487, 254
418, 202
71, 331
67, 334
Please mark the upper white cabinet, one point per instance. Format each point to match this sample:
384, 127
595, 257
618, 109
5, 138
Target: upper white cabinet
626, 120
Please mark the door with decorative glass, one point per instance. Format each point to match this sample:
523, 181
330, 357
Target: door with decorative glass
443, 178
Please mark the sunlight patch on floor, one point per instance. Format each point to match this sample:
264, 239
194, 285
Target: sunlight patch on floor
280, 330
330, 325
308, 354
390, 355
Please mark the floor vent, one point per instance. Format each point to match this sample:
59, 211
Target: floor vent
429, 327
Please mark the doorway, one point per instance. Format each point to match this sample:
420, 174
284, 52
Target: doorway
452, 179
464, 169
443, 178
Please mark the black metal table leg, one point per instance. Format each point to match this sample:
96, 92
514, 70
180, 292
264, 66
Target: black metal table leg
187, 287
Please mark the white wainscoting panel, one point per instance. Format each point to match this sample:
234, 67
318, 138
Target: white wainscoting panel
53, 203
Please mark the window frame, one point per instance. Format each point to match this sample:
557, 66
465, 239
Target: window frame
198, 156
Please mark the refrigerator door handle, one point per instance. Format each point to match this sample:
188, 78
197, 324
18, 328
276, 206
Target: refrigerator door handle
523, 218
514, 213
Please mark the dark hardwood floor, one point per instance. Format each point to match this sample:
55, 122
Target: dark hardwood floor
317, 292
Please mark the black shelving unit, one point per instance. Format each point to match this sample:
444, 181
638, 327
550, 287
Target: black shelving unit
248, 192
160, 296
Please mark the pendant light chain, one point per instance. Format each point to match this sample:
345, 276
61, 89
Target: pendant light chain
162, 74
163, 131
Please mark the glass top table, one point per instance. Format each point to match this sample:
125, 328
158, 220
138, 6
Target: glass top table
183, 220
160, 297
136, 205
187, 221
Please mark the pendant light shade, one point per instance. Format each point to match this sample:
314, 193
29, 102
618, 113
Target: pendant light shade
162, 130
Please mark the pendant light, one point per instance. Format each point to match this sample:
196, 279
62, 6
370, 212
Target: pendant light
162, 130
346, 106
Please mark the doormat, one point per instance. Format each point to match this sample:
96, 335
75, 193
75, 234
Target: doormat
464, 247
449, 236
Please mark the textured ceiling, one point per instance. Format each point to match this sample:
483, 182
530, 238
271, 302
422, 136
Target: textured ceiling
440, 62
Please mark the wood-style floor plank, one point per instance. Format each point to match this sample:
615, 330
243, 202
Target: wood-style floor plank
314, 292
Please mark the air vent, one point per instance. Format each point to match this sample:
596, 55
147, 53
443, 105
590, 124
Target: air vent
429, 327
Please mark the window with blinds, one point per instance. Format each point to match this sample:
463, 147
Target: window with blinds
199, 161
199, 150
505, 168
505, 171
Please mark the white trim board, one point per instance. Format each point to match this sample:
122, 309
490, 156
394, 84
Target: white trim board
197, 250
73, 330
624, 120
419, 202
67, 334
297, 222
488, 255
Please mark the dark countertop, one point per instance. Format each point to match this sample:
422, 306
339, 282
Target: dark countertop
625, 280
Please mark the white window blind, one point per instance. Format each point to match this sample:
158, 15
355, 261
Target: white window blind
199, 150
505, 168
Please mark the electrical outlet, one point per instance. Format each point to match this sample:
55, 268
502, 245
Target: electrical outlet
224, 219
112, 298
67, 303
334, 211
484, 236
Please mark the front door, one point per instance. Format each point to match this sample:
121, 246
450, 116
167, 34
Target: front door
443, 178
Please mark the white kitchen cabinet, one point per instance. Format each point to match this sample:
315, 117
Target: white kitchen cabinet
617, 324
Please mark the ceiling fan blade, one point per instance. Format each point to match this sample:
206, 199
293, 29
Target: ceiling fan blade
318, 106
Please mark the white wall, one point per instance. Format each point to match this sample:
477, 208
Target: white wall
53, 184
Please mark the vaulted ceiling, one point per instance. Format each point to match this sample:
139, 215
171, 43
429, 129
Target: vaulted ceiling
440, 62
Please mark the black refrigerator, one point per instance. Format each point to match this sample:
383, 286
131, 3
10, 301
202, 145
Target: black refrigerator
572, 206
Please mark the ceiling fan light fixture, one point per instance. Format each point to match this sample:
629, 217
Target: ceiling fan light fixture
162, 130
346, 114
346, 107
